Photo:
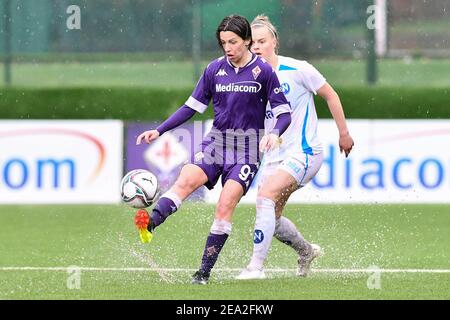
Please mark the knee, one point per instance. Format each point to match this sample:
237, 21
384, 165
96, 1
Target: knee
269, 193
224, 211
182, 184
186, 183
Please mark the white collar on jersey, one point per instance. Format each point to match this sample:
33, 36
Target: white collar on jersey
236, 69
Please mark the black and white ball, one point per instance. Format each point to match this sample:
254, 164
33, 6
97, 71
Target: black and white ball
139, 188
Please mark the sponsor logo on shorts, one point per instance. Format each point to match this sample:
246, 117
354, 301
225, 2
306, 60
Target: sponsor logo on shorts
294, 166
199, 156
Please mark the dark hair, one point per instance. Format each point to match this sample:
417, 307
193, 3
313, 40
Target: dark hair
237, 24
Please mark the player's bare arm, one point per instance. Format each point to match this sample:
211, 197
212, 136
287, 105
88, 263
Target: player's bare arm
183, 114
346, 142
147, 136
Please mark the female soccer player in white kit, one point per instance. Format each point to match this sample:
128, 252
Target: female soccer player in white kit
299, 157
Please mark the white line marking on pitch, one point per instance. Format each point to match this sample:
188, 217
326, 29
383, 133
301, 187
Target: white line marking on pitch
280, 270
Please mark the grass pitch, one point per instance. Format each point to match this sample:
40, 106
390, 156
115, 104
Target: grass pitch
180, 74
371, 252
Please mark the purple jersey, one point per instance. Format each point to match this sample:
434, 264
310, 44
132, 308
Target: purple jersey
239, 95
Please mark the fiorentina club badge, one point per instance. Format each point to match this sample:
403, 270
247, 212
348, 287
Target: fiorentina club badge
256, 71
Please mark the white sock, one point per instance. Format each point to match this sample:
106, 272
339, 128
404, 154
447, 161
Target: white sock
264, 230
221, 227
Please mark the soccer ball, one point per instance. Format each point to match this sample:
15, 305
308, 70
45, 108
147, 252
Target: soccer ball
139, 188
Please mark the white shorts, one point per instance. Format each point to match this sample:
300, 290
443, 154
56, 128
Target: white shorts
301, 166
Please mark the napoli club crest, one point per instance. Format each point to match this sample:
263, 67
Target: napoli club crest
258, 236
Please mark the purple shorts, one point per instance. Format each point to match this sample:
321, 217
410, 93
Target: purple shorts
233, 159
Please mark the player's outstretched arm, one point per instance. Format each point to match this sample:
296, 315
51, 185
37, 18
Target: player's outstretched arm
147, 136
180, 116
346, 142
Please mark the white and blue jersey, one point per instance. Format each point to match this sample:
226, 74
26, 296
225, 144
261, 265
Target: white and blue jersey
300, 82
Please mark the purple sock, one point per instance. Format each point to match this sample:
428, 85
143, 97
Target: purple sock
214, 244
163, 208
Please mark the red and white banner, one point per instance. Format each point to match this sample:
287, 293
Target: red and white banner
60, 161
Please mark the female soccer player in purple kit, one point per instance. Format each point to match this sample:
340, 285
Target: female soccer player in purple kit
240, 84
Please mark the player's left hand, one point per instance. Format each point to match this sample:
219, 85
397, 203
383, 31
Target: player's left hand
147, 136
269, 142
346, 144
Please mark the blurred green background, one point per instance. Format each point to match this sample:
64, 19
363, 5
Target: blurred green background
165, 44
140, 59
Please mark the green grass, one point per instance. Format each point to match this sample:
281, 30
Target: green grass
391, 73
160, 74
399, 29
126, 74
353, 236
